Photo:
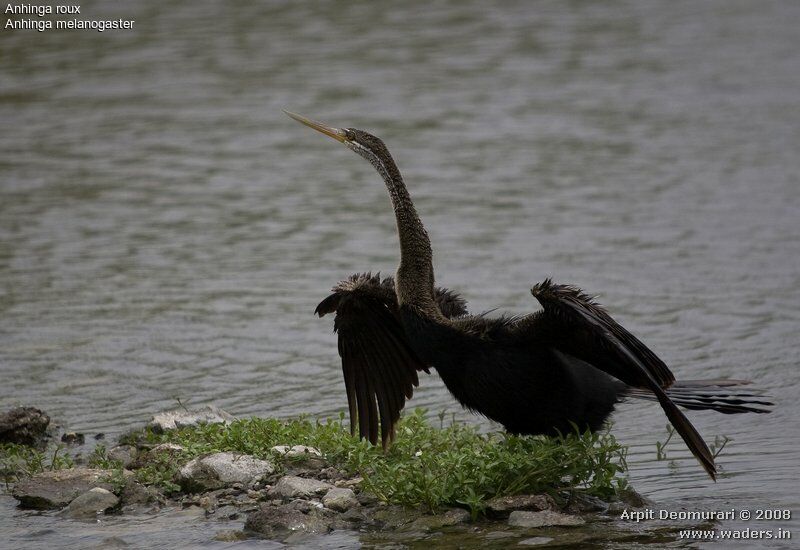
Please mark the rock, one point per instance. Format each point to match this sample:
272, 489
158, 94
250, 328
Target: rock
58, 488
395, 517
501, 507
222, 470
289, 487
332, 475
367, 499
581, 504
135, 493
124, 454
179, 418
340, 499
282, 521
354, 516
632, 498
301, 455
535, 541
303, 505
226, 513
546, 518
24, 426
626, 499
349, 483
73, 438
92, 502
453, 516
230, 536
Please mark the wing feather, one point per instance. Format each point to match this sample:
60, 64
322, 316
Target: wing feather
378, 364
593, 329
583, 329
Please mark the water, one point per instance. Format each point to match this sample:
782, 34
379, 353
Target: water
166, 232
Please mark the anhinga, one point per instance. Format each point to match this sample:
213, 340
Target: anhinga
568, 364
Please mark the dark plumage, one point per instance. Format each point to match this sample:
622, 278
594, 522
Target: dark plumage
569, 363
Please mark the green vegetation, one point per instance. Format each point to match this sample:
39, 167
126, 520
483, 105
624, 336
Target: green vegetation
20, 461
426, 466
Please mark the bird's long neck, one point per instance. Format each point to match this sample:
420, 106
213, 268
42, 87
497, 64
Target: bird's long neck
414, 281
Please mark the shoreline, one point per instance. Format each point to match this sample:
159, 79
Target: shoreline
293, 491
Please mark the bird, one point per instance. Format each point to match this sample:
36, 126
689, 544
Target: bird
564, 366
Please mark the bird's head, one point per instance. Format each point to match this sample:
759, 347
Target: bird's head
363, 143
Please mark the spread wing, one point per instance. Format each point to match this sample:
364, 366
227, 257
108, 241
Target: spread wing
580, 327
379, 366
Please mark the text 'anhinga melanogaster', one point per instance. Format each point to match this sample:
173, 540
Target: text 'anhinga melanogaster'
569, 363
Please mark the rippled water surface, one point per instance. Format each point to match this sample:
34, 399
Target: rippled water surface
166, 232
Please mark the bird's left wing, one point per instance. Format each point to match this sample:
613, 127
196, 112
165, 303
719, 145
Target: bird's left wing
579, 327
379, 366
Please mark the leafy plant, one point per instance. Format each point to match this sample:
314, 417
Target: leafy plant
18, 461
425, 466
661, 453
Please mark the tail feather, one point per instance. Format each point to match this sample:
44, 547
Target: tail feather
717, 395
687, 432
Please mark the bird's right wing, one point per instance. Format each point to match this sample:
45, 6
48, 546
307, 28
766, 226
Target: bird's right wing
379, 366
581, 328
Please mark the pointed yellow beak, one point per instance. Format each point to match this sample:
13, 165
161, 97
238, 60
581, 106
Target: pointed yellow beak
336, 133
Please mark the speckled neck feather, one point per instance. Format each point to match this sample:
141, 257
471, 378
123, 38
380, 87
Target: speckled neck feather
415, 278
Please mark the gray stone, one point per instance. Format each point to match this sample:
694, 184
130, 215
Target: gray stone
354, 516
626, 499
581, 504
340, 499
301, 455
303, 505
501, 507
289, 487
368, 499
136, 494
24, 426
535, 541
58, 488
332, 475
92, 502
282, 521
546, 518
453, 516
227, 512
124, 454
632, 498
394, 517
179, 418
350, 483
230, 536
220, 470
